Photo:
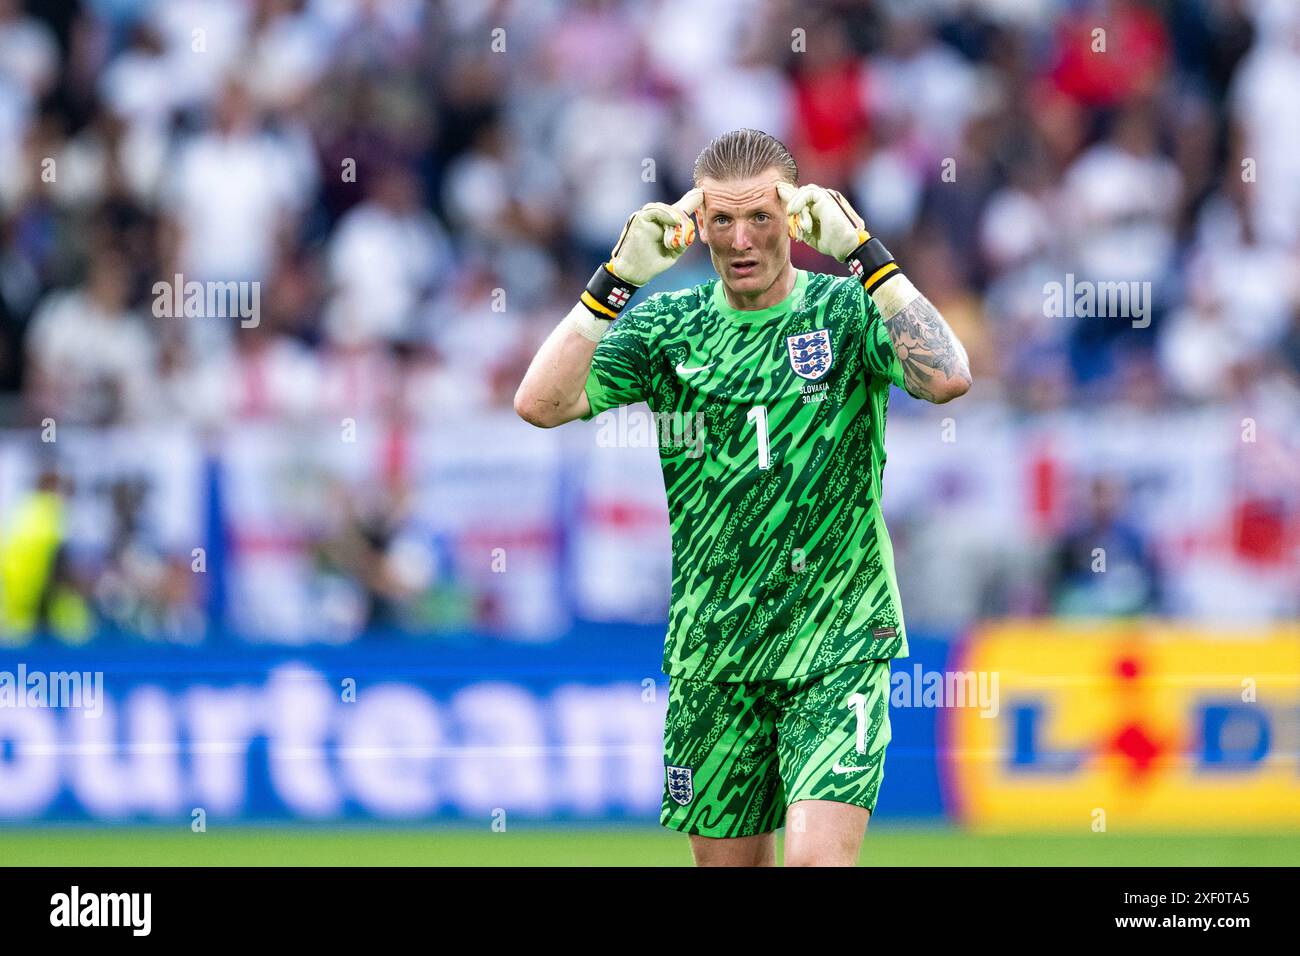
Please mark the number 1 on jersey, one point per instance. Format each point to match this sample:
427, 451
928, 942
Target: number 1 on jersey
758, 414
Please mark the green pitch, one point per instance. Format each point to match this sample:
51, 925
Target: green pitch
541, 846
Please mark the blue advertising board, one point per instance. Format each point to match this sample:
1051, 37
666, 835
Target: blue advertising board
464, 728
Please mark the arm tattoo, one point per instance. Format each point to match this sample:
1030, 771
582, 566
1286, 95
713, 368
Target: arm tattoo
932, 357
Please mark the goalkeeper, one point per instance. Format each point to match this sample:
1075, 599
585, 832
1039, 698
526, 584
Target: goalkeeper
785, 611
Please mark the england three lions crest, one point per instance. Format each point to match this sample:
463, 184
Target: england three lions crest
680, 786
810, 353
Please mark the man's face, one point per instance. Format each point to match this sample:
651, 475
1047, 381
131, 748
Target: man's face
743, 223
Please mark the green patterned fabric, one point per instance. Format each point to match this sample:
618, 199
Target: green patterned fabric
771, 427
737, 755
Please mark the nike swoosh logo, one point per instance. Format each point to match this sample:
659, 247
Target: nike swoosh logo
839, 768
683, 370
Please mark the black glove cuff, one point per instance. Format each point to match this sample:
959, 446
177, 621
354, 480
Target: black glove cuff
872, 264
607, 294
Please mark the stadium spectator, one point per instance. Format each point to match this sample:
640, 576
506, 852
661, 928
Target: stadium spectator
88, 352
1103, 566
385, 257
233, 195
414, 206
38, 595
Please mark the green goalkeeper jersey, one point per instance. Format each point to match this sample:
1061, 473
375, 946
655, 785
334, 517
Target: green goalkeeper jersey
771, 427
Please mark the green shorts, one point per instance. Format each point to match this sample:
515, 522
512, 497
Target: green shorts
736, 755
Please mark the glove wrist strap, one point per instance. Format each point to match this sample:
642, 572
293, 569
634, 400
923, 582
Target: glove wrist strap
606, 294
872, 263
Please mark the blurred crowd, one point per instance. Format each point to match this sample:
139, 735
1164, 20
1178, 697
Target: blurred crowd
418, 190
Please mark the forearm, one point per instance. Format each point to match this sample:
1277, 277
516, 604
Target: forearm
553, 389
935, 365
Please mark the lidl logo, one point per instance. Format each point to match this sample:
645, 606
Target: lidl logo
1140, 727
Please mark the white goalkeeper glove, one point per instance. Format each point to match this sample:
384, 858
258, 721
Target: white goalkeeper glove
823, 219
654, 237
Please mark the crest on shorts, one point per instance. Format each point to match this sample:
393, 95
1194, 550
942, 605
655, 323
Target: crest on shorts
810, 353
680, 786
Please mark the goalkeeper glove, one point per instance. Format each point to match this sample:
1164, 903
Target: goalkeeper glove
653, 238
824, 220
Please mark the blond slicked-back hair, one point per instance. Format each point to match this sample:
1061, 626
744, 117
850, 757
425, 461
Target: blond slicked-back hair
744, 153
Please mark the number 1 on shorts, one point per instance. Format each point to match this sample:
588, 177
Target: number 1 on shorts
860, 702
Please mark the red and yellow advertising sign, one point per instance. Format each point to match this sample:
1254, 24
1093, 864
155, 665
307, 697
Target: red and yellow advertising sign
1132, 726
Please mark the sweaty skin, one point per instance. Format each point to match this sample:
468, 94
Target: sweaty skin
743, 221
